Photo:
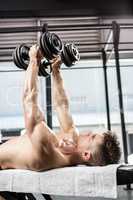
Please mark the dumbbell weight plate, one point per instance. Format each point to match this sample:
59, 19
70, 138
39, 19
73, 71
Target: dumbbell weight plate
55, 44
40, 44
15, 59
50, 45
47, 41
23, 58
73, 51
25, 52
66, 57
44, 45
19, 56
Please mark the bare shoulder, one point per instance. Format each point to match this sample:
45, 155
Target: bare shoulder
43, 133
43, 127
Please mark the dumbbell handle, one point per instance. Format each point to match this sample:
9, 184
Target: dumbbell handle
25, 53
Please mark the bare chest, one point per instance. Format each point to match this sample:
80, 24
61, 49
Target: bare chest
22, 153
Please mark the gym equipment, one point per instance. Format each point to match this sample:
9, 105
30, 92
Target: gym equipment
10, 181
50, 45
69, 56
21, 60
125, 175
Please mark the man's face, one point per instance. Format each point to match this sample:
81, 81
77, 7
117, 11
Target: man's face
89, 141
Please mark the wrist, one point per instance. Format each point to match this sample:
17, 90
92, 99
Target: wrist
55, 72
34, 60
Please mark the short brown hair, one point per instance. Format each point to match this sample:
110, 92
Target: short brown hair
108, 152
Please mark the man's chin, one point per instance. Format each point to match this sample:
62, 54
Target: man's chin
66, 151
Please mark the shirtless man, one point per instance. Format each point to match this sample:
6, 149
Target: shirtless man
40, 148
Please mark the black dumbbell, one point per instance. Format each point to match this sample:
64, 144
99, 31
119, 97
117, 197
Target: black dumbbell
21, 60
50, 45
70, 54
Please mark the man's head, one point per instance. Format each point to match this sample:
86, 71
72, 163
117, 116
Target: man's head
99, 149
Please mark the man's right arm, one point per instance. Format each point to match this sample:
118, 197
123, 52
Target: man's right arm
34, 118
32, 113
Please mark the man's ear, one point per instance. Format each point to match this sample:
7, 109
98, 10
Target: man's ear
86, 155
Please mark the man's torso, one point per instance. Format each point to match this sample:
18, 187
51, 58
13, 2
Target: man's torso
35, 152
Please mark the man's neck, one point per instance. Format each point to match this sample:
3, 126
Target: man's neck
69, 159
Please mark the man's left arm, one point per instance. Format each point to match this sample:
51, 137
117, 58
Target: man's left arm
61, 103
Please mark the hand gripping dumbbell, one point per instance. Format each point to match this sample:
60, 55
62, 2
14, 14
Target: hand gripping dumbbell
69, 56
50, 46
21, 60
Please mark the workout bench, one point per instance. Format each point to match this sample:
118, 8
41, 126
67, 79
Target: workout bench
124, 176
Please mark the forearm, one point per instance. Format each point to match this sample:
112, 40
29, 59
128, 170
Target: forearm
59, 95
31, 81
32, 113
61, 102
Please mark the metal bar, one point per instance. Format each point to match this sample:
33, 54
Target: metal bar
64, 27
78, 44
17, 70
104, 58
38, 22
100, 43
116, 36
110, 50
108, 40
4, 48
20, 29
81, 51
47, 196
13, 195
48, 101
21, 196
110, 55
30, 196
73, 68
105, 49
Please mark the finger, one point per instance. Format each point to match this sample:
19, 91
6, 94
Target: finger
57, 62
56, 58
53, 60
